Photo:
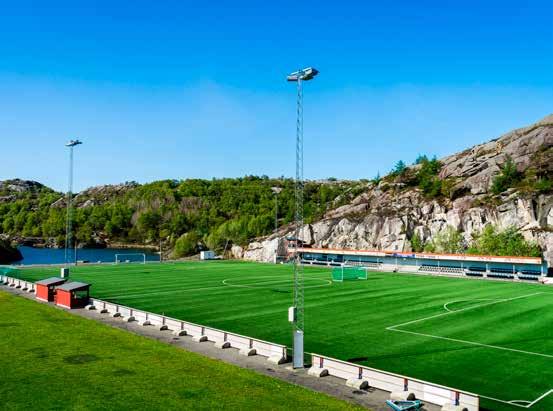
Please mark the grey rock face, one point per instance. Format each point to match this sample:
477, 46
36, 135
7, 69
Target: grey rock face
386, 216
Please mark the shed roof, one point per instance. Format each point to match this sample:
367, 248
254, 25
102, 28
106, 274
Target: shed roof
73, 286
51, 281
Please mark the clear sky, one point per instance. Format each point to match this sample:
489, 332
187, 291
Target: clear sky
177, 89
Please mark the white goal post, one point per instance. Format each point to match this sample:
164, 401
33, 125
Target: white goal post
130, 258
345, 272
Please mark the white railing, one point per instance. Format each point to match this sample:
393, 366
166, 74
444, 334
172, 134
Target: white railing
383, 380
261, 347
425, 391
17, 283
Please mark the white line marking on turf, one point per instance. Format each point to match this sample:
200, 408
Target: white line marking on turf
474, 299
280, 280
497, 347
392, 327
516, 403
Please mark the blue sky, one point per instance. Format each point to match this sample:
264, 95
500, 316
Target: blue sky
177, 89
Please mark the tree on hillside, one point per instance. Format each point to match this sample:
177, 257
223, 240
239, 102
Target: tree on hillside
507, 177
492, 241
448, 240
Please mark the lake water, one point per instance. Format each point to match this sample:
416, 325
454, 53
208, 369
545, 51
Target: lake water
33, 255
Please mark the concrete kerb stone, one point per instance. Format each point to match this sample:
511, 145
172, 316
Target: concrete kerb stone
116, 315
452, 407
199, 338
145, 323
248, 352
90, 307
163, 327
317, 372
402, 396
222, 344
276, 359
179, 333
358, 383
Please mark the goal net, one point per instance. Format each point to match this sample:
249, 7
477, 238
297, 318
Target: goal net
130, 258
344, 273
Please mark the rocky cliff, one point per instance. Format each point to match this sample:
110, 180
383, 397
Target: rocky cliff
390, 212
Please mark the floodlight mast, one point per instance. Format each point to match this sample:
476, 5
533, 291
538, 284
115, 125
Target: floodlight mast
298, 316
276, 192
68, 225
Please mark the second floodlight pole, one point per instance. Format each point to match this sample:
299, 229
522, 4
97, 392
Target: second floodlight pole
68, 224
296, 313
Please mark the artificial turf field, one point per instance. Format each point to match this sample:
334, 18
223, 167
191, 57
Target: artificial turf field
489, 337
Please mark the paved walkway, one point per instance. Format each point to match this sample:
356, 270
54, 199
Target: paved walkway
373, 399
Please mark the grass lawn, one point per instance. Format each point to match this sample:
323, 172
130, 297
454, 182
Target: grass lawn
54, 360
489, 337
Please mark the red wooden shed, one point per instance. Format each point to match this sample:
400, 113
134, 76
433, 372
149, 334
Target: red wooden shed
72, 295
45, 289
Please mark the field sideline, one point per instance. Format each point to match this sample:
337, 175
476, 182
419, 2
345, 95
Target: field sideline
489, 337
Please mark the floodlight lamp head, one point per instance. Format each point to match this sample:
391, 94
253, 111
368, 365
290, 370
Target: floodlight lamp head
305, 74
73, 143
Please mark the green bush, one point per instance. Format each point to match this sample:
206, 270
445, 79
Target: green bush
449, 240
492, 241
186, 245
417, 244
427, 178
507, 177
543, 185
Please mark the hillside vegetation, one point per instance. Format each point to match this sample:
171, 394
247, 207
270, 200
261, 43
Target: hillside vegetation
186, 215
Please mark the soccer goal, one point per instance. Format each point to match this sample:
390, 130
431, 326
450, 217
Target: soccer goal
139, 258
344, 273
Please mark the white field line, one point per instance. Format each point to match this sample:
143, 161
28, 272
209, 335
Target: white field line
260, 284
475, 299
516, 403
520, 403
497, 347
223, 284
392, 327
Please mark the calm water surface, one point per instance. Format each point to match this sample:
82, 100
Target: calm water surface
33, 255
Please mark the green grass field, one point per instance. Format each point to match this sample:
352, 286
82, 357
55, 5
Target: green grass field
52, 360
489, 337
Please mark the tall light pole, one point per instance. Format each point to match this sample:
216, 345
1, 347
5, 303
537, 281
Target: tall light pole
68, 233
296, 312
276, 192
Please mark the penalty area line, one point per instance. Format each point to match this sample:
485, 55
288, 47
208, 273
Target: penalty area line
393, 327
516, 403
520, 403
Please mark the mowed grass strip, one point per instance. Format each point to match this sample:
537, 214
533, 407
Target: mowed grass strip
54, 360
350, 320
